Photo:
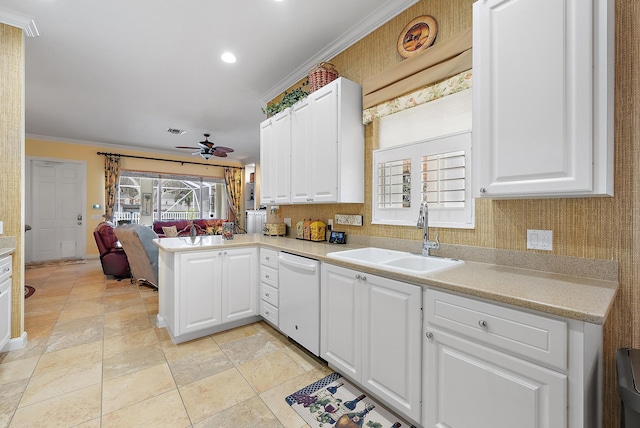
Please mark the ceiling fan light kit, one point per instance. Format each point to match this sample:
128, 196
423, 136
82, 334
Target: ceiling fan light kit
207, 149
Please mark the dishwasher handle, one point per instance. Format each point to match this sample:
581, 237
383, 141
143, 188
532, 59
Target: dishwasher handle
310, 266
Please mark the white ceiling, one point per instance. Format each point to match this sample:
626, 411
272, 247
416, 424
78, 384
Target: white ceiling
118, 73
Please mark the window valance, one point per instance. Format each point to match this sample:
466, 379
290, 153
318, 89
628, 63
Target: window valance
402, 83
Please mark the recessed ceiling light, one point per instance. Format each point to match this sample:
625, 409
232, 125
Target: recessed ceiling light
228, 57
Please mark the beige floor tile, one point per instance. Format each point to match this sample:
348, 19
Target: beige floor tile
127, 325
176, 352
199, 365
11, 394
117, 344
69, 357
16, 370
165, 410
81, 309
132, 360
208, 397
135, 387
93, 423
248, 414
269, 371
35, 346
65, 410
61, 381
236, 333
75, 332
249, 348
304, 359
274, 398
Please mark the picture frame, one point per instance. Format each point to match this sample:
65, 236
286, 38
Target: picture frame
146, 204
417, 35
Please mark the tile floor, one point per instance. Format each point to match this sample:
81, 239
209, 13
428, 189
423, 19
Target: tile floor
94, 358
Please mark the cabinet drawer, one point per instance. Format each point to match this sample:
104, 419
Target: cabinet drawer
269, 276
269, 258
531, 336
269, 294
5, 268
269, 312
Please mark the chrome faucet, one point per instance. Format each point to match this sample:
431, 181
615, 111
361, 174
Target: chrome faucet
423, 222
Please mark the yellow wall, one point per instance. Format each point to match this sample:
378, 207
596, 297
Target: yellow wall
11, 160
95, 171
601, 228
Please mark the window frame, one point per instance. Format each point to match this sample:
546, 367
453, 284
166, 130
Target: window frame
458, 218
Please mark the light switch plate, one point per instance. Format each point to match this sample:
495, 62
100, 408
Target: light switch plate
539, 239
287, 221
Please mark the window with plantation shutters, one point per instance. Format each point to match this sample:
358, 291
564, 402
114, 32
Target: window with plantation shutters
437, 170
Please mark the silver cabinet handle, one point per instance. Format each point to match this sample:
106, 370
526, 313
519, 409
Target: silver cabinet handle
266, 276
482, 323
429, 335
266, 294
483, 190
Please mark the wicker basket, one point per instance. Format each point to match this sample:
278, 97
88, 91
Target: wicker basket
322, 74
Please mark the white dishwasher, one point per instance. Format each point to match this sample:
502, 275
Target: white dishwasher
299, 307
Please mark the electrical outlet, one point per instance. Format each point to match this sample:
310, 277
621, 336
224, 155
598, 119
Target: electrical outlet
330, 223
540, 240
287, 221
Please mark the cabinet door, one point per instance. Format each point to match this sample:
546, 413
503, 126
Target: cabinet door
239, 284
468, 385
199, 291
323, 147
282, 160
5, 312
301, 153
533, 122
341, 319
391, 343
267, 154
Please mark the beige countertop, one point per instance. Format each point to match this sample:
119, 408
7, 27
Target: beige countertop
583, 299
6, 251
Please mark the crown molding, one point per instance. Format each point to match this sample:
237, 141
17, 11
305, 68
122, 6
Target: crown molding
367, 25
16, 19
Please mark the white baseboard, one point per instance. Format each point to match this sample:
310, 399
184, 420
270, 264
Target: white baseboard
15, 343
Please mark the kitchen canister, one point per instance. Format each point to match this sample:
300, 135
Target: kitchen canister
300, 229
317, 230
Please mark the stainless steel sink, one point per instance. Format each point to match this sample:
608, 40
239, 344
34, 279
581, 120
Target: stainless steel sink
399, 261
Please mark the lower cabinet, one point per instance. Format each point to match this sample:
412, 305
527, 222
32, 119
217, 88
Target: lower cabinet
370, 332
469, 385
202, 290
492, 366
5, 300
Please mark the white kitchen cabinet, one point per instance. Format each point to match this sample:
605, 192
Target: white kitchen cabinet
269, 293
542, 101
256, 220
327, 145
5, 300
487, 365
370, 331
202, 292
469, 385
239, 283
275, 159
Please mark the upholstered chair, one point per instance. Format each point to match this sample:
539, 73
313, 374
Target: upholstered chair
113, 258
137, 242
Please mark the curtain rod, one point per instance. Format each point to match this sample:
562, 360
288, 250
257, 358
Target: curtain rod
167, 160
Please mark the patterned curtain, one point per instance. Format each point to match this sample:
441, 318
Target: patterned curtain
111, 177
233, 178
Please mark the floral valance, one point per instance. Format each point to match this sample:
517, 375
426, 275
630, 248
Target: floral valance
457, 83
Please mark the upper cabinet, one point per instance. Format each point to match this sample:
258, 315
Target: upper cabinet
326, 144
542, 98
275, 159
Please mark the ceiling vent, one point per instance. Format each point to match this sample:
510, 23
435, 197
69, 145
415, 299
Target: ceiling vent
175, 131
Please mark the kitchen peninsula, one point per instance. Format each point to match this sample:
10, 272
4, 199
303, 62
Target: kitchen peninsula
539, 332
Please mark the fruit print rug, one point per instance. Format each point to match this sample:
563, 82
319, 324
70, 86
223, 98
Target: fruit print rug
333, 402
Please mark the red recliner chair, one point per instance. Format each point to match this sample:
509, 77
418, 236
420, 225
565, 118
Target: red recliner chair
114, 260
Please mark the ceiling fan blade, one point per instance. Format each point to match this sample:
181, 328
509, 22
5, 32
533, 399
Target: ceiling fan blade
219, 154
223, 149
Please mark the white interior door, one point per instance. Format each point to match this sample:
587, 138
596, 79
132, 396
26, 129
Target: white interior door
56, 211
